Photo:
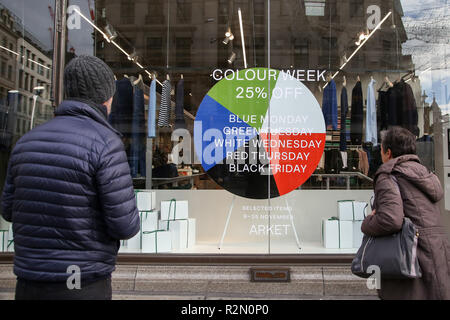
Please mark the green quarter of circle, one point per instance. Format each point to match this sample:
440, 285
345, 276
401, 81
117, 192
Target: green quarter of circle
247, 94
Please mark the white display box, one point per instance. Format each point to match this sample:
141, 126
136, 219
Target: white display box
330, 234
192, 235
149, 222
345, 210
145, 200
157, 241
357, 234
179, 231
3, 240
10, 239
359, 210
181, 211
123, 246
345, 234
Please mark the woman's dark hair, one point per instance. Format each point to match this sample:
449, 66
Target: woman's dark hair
399, 140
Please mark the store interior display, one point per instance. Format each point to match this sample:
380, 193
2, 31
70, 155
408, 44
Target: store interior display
344, 231
166, 56
165, 230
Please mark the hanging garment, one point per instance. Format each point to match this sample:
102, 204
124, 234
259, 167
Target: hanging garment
333, 161
179, 106
322, 162
357, 115
138, 143
329, 105
382, 110
122, 109
392, 119
371, 114
166, 106
364, 162
151, 119
410, 110
344, 111
344, 159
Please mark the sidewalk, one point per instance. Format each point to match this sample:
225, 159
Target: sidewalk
182, 282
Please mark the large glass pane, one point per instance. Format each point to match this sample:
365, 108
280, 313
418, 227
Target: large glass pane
378, 64
26, 48
185, 145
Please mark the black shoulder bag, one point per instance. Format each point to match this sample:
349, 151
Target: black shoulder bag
395, 255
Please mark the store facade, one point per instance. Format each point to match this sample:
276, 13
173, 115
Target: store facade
259, 121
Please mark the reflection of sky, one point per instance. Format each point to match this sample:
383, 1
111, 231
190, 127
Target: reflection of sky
428, 26
35, 16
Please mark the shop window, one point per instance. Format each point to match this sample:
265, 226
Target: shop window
10, 73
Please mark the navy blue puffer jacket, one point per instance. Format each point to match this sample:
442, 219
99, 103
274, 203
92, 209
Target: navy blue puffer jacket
70, 197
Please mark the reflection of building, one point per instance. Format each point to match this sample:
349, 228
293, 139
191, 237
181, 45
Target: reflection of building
8, 41
34, 71
188, 40
24, 66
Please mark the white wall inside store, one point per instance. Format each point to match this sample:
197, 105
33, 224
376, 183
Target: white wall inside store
309, 207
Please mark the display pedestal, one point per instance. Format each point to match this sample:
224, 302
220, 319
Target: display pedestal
229, 216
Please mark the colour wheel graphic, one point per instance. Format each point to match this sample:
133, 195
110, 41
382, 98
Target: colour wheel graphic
257, 130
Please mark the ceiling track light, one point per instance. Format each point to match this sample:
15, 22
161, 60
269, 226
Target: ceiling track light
229, 36
232, 58
366, 38
133, 57
110, 32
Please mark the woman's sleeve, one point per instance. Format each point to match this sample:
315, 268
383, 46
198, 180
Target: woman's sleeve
388, 218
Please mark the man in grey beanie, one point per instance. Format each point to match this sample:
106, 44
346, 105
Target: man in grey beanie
69, 193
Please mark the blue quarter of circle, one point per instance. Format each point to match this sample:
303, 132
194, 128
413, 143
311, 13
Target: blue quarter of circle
215, 116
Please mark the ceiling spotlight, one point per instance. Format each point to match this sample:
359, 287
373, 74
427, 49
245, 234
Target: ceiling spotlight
232, 58
110, 32
229, 36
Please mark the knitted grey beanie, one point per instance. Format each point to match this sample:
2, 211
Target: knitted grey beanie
88, 77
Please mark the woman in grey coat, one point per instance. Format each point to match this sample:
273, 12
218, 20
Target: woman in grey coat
416, 196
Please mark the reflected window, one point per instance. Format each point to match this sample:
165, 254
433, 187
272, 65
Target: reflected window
184, 11
315, 8
127, 12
